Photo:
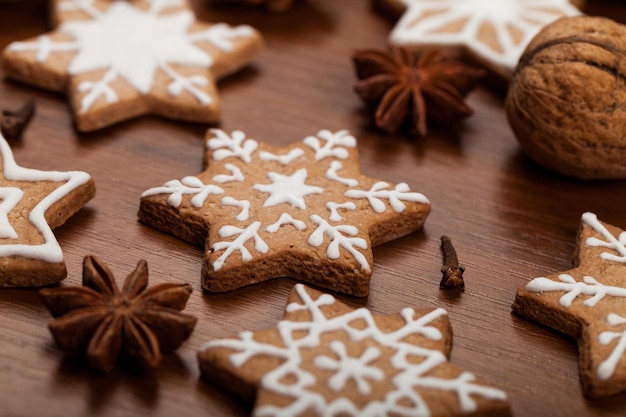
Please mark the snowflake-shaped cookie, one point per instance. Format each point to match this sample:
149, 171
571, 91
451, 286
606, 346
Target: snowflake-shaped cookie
303, 211
588, 303
120, 59
32, 203
493, 32
326, 359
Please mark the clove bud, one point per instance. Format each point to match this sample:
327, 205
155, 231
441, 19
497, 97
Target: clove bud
452, 272
13, 123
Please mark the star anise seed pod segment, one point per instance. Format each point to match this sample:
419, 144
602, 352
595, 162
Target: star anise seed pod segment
108, 323
411, 88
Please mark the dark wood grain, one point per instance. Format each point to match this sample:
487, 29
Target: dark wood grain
510, 221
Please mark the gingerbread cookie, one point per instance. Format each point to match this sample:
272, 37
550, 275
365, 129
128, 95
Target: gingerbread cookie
303, 211
588, 303
494, 33
324, 358
120, 59
33, 203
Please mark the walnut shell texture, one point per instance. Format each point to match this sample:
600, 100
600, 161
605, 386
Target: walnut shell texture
567, 99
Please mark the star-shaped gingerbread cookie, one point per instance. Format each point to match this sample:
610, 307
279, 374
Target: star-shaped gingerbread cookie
120, 59
327, 359
495, 33
303, 211
32, 203
588, 303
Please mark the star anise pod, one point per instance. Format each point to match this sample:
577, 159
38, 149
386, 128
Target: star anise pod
108, 323
412, 88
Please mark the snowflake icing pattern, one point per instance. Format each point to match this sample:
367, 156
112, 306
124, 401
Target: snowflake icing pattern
514, 22
308, 199
128, 43
386, 359
604, 330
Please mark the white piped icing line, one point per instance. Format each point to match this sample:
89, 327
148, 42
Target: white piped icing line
49, 251
244, 235
379, 191
572, 288
286, 219
595, 291
235, 145
335, 144
618, 244
235, 175
607, 368
9, 196
339, 240
289, 189
133, 43
346, 368
188, 185
334, 207
407, 374
285, 159
425, 22
331, 174
243, 205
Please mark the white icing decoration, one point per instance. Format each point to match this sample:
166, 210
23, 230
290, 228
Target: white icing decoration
234, 145
284, 219
333, 207
133, 43
423, 21
244, 235
350, 368
407, 374
607, 368
379, 191
331, 174
43, 47
235, 175
221, 35
338, 240
289, 189
573, 288
10, 196
188, 185
97, 89
189, 84
244, 205
611, 242
282, 159
335, 146
49, 251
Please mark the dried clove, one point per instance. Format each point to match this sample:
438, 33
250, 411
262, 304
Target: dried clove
13, 123
452, 272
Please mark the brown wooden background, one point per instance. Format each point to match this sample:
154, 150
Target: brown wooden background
510, 220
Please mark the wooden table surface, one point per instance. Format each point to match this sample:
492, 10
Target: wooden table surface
510, 220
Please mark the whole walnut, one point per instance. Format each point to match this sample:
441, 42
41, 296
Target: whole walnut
567, 99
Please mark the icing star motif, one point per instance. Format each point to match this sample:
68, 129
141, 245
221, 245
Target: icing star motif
588, 303
120, 59
326, 359
494, 32
317, 221
32, 203
287, 189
